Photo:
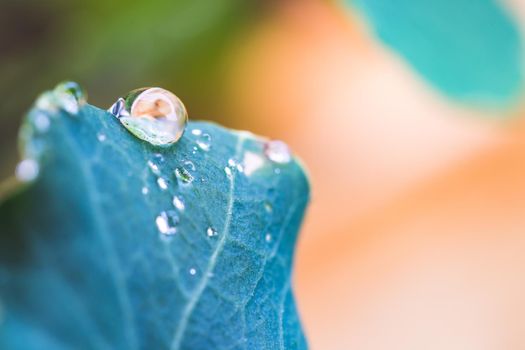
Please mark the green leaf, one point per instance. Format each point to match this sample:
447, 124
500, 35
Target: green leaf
83, 264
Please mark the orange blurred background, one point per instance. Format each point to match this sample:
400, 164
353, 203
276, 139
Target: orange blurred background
415, 234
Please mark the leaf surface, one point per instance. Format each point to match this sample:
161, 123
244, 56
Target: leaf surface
84, 263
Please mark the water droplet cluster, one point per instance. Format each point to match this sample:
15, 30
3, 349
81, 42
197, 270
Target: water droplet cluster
68, 97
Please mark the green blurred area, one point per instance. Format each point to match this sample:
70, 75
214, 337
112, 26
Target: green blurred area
111, 47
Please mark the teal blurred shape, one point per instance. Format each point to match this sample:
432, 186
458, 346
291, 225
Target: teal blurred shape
84, 263
469, 49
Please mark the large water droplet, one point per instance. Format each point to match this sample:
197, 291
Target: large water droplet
27, 170
277, 151
166, 223
152, 114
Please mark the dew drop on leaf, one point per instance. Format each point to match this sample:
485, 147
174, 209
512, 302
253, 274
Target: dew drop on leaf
210, 232
178, 203
101, 137
41, 122
183, 175
228, 172
204, 142
152, 114
27, 170
277, 151
166, 223
153, 167
162, 183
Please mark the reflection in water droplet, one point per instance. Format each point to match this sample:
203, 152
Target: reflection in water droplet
204, 142
101, 137
153, 114
41, 122
166, 223
163, 184
277, 151
145, 190
27, 170
193, 271
210, 232
268, 238
178, 203
183, 175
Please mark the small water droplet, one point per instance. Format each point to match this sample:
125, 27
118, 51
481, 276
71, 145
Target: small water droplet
277, 151
163, 184
204, 142
153, 167
152, 114
189, 165
101, 137
41, 122
166, 223
268, 238
178, 203
268, 207
70, 96
228, 172
210, 232
252, 162
145, 190
193, 271
232, 162
47, 102
27, 170
196, 132
183, 175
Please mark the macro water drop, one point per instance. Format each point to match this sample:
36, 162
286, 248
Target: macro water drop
210, 232
277, 151
178, 203
27, 170
204, 142
166, 223
152, 114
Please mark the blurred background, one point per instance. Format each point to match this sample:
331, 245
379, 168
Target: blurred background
409, 115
